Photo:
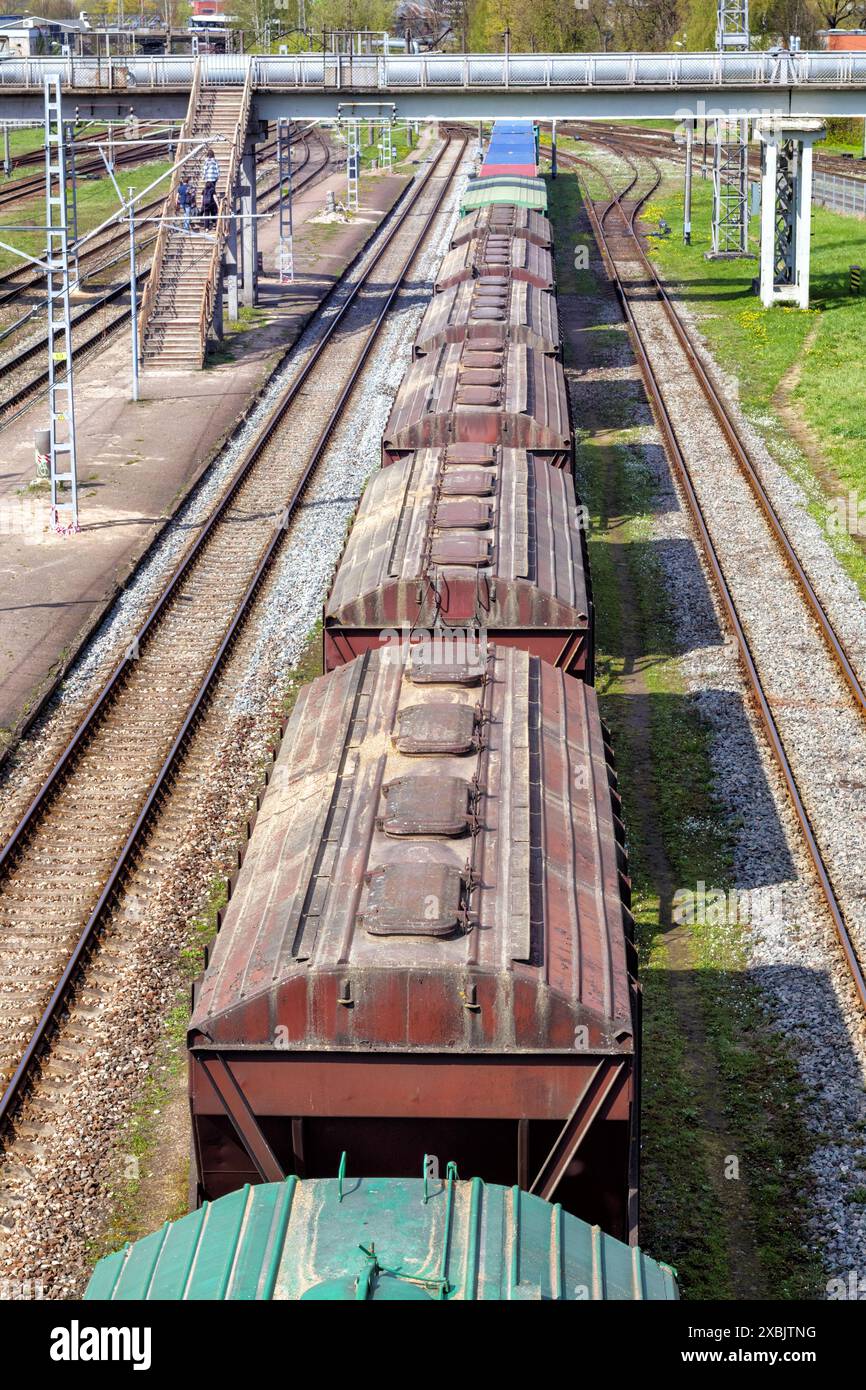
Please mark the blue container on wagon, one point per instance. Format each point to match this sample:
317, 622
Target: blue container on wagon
512, 150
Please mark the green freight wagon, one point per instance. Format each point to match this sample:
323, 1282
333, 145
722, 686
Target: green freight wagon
351, 1238
518, 190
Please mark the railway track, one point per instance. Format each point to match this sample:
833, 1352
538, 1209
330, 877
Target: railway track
15, 283
33, 185
661, 145
21, 386
830, 681
63, 869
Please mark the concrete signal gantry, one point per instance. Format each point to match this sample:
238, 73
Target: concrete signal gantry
786, 207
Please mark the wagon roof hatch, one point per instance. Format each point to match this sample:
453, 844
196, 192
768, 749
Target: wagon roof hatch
422, 805
436, 727
413, 900
452, 547
466, 667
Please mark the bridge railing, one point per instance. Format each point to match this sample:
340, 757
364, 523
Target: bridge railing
342, 72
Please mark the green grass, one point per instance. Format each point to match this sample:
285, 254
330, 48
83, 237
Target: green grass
138, 1148
369, 152
844, 136
23, 141
760, 346
96, 201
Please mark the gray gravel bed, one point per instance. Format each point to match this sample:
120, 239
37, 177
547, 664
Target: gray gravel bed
56, 1196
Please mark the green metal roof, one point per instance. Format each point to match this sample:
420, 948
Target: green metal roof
381, 1238
505, 188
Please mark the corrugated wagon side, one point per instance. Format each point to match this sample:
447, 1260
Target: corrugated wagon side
467, 538
497, 254
489, 316
505, 189
510, 218
366, 1239
428, 948
461, 394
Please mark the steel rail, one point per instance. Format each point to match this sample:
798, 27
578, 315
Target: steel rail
711, 555
41, 703
63, 767
722, 413
21, 397
13, 282
34, 184
115, 237
660, 144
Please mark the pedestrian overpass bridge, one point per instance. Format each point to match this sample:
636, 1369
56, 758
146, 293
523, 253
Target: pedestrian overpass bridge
320, 86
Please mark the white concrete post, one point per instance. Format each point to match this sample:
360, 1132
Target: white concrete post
231, 269
248, 213
802, 246
768, 221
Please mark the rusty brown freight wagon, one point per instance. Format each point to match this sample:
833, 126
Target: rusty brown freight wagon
505, 219
494, 255
458, 394
472, 536
428, 948
487, 315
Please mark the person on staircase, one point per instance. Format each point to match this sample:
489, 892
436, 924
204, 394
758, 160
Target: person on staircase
185, 201
211, 175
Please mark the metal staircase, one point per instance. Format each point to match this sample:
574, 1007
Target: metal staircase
178, 303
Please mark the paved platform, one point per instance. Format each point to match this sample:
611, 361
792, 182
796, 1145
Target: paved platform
136, 462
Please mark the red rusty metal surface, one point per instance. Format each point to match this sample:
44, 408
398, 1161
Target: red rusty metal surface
525, 821
527, 583
493, 254
516, 312
505, 217
437, 403
382, 1086
428, 947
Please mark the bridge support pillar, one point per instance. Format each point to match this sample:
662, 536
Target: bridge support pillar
230, 273
786, 208
250, 250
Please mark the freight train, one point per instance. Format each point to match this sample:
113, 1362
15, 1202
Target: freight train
428, 947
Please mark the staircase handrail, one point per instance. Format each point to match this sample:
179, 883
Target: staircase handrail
148, 299
226, 212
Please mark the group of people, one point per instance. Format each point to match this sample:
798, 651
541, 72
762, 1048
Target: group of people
187, 198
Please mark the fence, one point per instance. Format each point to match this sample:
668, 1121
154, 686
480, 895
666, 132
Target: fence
839, 194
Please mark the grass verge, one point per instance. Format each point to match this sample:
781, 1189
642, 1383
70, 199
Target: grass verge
152, 1151
811, 360
97, 200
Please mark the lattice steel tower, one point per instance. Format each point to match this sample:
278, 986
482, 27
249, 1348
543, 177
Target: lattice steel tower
286, 242
785, 222
732, 24
731, 147
61, 403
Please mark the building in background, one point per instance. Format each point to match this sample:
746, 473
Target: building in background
843, 40
28, 36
